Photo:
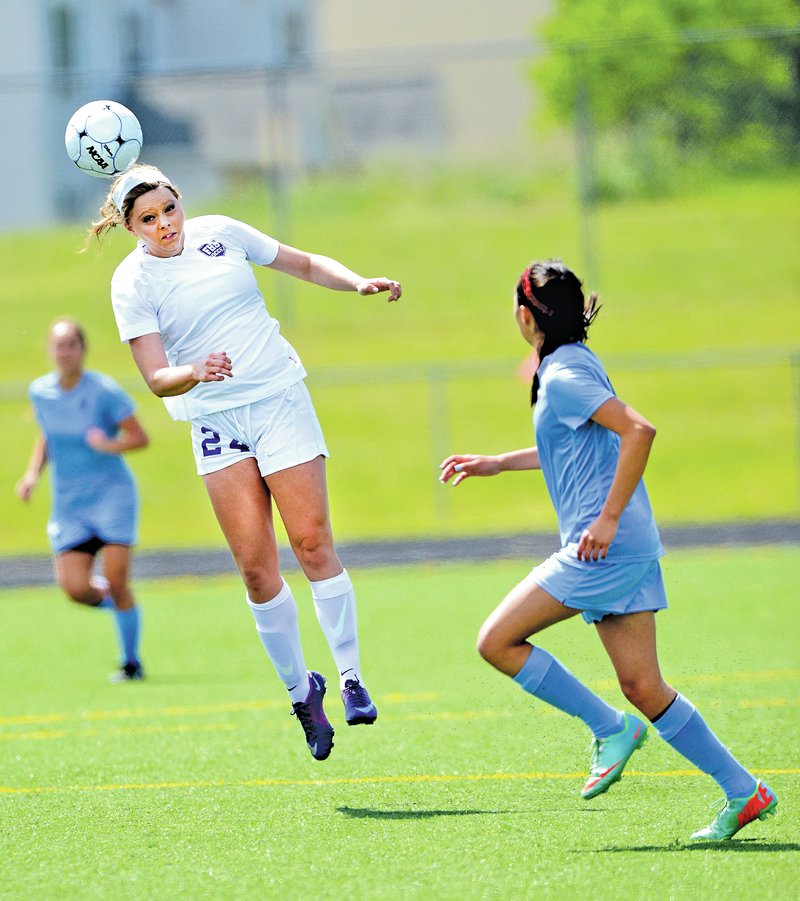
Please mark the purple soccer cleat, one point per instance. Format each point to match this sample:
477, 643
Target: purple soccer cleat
319, 732
358, 706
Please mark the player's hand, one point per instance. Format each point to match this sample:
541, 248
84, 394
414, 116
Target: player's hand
376, 285
596, 538
462, 466
97, 440
214, 368
24, 487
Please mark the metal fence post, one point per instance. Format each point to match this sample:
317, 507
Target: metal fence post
277, 178
437, 384
585, 163
794, 362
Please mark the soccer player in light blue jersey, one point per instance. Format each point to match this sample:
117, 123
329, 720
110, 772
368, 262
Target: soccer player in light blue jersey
86, 423
592, 450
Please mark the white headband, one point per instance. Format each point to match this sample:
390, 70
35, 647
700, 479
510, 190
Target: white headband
132, 178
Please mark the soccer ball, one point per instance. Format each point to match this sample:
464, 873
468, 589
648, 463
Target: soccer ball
103, 138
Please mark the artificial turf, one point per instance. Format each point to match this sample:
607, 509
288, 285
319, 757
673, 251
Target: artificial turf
196, 783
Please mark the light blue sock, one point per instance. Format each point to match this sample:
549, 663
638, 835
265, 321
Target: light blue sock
682, 727
106, 604
545, 678
129, 624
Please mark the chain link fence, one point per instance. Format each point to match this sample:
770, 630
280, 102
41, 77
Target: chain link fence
643, 116
604, 120
620, 115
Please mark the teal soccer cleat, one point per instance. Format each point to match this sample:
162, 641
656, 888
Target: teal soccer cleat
738, 812
609, 756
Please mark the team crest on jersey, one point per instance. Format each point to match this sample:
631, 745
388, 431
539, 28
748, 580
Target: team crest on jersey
212, 249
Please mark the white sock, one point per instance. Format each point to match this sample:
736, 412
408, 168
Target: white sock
276, 622
335, 603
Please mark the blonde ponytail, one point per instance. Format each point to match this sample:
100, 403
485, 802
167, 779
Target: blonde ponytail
110, 217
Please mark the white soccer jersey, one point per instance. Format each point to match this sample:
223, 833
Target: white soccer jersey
207, 300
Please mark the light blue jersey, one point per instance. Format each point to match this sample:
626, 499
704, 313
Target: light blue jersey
94, 494
579, 457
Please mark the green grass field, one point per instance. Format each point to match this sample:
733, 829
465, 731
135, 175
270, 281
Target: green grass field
700, 295
197, 783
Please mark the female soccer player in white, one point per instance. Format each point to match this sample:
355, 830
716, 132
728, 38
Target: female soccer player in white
187, 302
86, 423
592, 450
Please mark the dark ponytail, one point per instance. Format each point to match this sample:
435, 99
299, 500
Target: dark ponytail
554, 295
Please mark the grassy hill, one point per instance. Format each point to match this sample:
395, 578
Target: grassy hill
699, 321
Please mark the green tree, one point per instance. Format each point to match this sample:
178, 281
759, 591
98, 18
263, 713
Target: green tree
675, 82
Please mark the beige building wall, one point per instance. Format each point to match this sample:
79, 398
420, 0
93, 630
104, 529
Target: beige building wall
475, 58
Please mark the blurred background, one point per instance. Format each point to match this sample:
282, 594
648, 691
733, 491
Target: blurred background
654, 147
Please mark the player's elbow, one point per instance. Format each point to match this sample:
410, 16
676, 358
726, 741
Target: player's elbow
135, 440
645, 432
157, 387
151, 380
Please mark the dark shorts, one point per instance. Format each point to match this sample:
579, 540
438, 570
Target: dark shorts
92, 546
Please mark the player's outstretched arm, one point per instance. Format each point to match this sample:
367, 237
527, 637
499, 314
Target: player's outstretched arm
168, 381
459, 466
329, 273
36, 464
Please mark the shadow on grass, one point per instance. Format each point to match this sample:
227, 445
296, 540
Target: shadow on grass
747, 845
371, 813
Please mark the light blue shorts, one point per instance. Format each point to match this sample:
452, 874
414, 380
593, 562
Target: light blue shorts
600, 588
108, 512
280, 431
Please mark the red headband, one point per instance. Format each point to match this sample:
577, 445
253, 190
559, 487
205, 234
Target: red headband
534, 301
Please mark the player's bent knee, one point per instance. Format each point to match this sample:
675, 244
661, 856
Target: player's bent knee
258, 579
641, 692
314, 550
80, 595
489, 645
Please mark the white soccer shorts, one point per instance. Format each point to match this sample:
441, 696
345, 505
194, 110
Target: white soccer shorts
279, 432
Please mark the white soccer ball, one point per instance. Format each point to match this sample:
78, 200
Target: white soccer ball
103, 138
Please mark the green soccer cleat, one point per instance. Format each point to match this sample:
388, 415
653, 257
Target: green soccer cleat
609, 756
738, 812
